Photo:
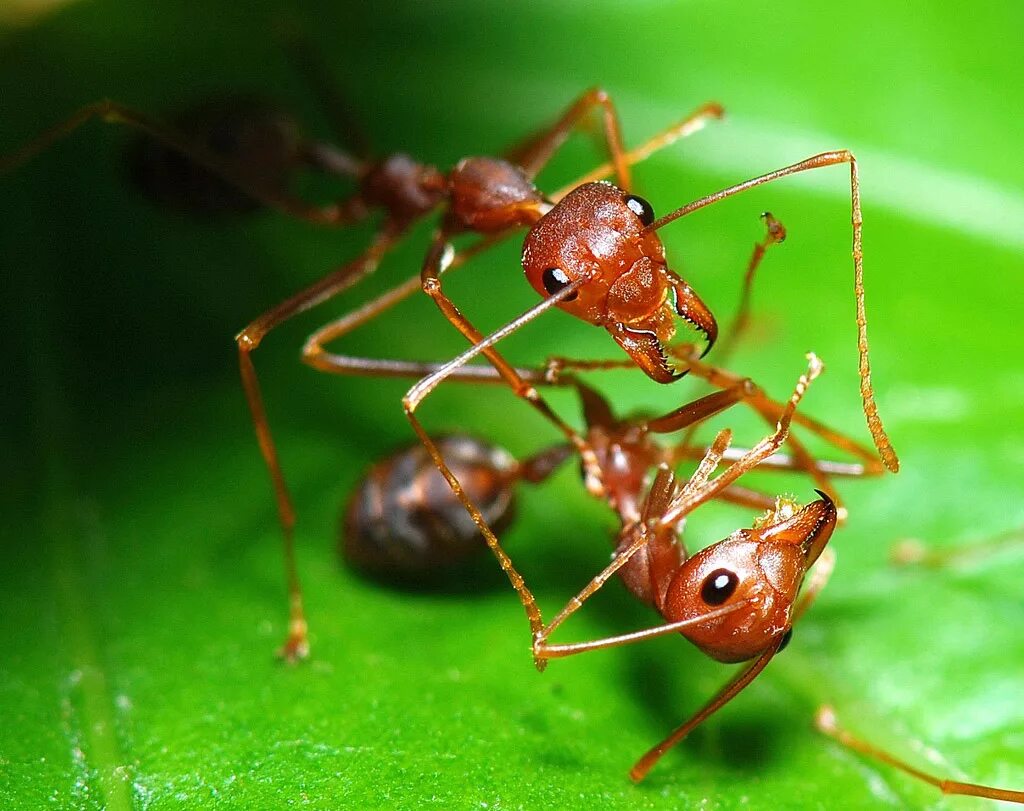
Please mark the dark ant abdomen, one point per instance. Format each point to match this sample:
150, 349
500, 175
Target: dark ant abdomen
250, 135
404, 520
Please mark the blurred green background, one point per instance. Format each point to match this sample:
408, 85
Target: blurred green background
141, 587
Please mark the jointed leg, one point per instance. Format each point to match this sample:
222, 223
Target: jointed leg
690, 498
731, 689
538, 150
749, 392
682, 501
777, 461
315, 354
296, 645
775, 233
113, 113
307, 62
524, 390
694, 122
881, 439
825, 720
771, 410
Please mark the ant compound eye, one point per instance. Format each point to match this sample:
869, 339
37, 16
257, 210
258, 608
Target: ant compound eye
718, 586
641, 208
555, 280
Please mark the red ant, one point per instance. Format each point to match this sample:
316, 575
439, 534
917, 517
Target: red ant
592, 249
404, 190
737, 600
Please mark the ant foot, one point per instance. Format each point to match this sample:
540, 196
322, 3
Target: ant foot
296, 646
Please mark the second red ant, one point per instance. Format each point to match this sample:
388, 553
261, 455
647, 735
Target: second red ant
736, 600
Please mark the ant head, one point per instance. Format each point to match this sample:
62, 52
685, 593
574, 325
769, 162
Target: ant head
599, 233
759, 570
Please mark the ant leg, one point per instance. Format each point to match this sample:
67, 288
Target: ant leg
825, 721
316, 355
296, 645
694, 122
751, 394
816, 582
745, 497
775, 232
696, 491
522, 389
733, 389
731, 689
111, 112
771, 410
776, 462
881, 439
430, 278
555, 372
690, 498
912, 552
540, 466
307, 62
538, 149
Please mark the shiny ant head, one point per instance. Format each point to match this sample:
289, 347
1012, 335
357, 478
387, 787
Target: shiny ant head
599, 233
759, 570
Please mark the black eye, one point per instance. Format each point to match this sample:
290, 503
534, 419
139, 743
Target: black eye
641, 208
718, 586
555, 280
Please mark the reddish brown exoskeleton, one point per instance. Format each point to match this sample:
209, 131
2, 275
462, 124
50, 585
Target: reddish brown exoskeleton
592, 249
736, 600
403, 522
595, 253
236, 149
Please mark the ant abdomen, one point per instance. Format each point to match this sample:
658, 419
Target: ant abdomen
404, 520
252, 137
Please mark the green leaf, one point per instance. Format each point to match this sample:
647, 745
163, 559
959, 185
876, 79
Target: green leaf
142, 590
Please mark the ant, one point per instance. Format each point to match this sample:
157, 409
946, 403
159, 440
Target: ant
592, 249
233, 149
737, 600
403, 522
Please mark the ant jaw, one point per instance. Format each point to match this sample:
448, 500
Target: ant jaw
644, 347
648, 352
690, 308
